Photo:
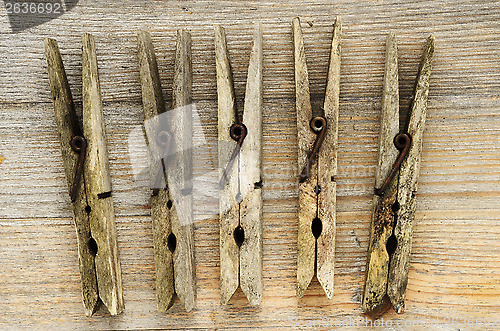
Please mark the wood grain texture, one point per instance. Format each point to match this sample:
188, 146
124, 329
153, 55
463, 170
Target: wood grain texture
454, 261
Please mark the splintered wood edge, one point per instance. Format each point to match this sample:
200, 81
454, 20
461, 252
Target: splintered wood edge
327, 170
180, 174
382, 220
407, 187
97, 180
229, 209
306, 243
68, 127
251, 177
161, 214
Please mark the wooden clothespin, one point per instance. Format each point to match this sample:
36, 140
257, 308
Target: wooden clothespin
317, 159
86, 166
169, 136
395, 186
240, 165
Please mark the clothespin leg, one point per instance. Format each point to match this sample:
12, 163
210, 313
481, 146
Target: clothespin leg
251, 178
68, 127
228, 205
306, 257
98, 185
327, 170
407, 183
382, 221
179, 174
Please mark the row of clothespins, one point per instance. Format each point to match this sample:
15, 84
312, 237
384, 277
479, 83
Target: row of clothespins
240, 199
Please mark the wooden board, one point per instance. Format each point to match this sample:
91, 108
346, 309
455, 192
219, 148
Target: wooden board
455, 262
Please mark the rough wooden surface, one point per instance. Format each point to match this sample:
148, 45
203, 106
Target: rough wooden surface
455, 255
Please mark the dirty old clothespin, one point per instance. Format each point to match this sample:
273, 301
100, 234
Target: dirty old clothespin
317, 158
86, 166
240, 166
169, 136
396, 177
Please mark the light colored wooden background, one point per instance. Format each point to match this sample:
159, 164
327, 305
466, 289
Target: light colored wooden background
455, 262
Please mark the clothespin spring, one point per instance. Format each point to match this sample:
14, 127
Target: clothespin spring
163, 138
238, 132
402, 141
318, 126
79, 145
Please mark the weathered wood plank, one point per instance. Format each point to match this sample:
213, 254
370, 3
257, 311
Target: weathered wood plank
458, 197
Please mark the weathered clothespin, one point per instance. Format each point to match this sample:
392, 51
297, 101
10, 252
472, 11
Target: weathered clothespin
169, 136
86, 166
240, 166
396, 177
317, 159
